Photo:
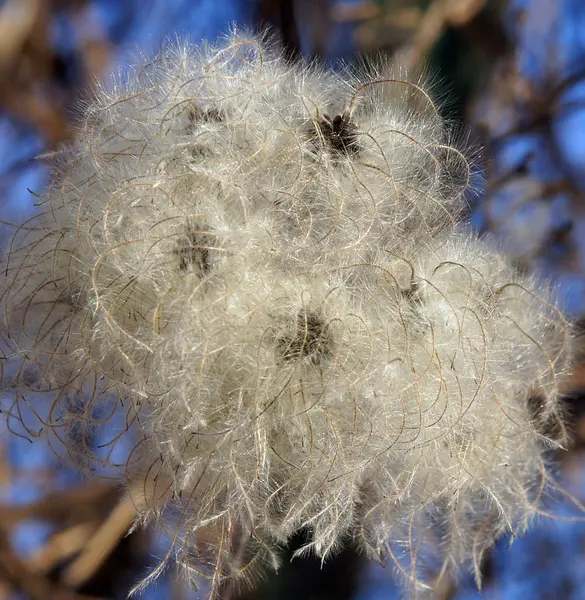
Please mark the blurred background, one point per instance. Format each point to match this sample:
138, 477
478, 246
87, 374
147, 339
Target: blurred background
509, 74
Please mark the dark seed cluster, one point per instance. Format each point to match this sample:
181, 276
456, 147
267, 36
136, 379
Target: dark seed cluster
339, 134
193, 251
311, 339
198, 115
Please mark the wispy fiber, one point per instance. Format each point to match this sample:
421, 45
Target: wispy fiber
265, 264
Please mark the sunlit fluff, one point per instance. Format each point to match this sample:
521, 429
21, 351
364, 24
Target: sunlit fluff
265, 263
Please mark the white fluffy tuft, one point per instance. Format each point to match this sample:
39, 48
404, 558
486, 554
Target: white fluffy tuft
265, 262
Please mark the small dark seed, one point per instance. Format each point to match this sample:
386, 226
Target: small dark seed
311, 339
213, 114
338, 134
198, 115
194, 252
412, 293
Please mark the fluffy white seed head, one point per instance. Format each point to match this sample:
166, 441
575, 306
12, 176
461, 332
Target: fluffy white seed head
265, 263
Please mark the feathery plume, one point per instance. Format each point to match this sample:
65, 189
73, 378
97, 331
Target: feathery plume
265, 263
